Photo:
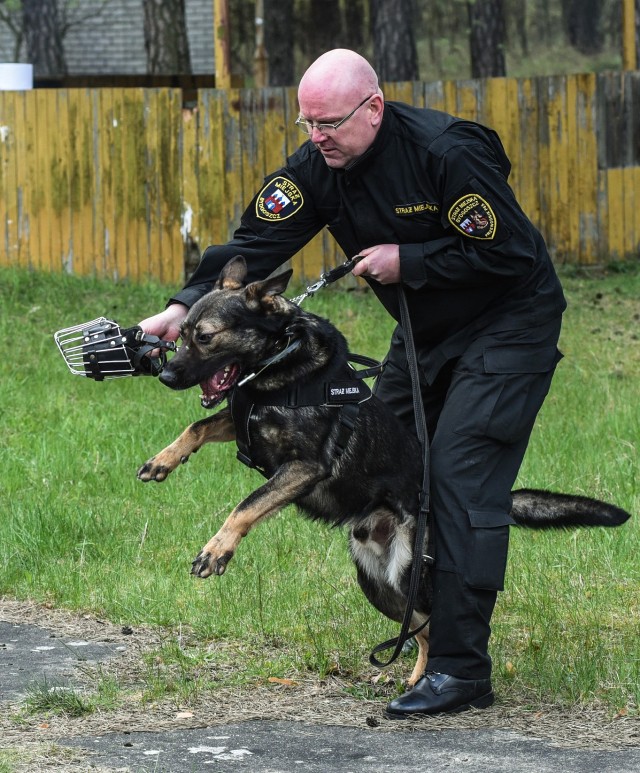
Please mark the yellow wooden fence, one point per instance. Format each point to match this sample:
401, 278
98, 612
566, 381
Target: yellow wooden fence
126, 183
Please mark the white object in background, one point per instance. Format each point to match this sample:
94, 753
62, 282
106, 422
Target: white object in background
16, 77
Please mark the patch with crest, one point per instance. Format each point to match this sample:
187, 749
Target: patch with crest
472, 215
280, 199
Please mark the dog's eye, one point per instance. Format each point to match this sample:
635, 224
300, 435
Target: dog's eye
204, 338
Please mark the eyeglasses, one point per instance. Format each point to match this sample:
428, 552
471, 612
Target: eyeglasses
308, 126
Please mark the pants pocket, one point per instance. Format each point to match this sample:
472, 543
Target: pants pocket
486, 561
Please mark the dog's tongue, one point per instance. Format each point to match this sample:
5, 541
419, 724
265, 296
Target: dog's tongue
215, 388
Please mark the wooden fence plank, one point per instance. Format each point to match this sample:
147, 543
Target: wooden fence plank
172, 186
587, 169
106, 210
526, 184
60, 163
434, 95
558, 149
569, 159
467, 100
191, 216
236, 196
10, 182
5, 160
632, 135
31, 251
47, 225
207, 165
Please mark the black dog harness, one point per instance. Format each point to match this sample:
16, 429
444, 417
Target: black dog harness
346, 395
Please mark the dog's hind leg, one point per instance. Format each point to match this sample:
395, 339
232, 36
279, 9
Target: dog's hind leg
422, 640
218, 428
290, 481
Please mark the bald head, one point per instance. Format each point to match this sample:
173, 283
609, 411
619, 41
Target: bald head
340, 84
342, 73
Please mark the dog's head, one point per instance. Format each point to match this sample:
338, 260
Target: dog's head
228, 332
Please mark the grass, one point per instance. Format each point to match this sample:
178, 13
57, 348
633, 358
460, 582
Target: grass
78, 530
54, 699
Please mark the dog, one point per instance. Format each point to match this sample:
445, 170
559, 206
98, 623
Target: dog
302, 416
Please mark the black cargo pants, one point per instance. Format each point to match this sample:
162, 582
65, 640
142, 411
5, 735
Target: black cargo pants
480, 411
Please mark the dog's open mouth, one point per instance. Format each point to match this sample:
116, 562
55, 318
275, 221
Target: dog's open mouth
215, 388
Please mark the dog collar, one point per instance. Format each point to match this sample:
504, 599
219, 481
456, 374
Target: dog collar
264, 364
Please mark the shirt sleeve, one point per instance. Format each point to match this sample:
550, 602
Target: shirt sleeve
486, 235
278, 222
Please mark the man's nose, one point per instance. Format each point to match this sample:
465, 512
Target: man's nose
317, 133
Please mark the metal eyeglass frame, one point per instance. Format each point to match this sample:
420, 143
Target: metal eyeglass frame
308, 126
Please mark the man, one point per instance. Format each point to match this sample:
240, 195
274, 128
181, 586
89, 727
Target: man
423, 197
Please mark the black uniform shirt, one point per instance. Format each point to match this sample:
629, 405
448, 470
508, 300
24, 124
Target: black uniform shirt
471, 262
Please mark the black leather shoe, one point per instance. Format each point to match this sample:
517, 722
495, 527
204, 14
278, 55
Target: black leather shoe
440, 693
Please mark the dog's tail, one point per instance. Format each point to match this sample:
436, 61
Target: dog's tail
538, 509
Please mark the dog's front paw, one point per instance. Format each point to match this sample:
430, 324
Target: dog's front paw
159, 466
205, 563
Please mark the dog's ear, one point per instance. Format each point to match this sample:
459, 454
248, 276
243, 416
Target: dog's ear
264, 293
232, 275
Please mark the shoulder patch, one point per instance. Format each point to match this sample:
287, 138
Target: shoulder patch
472, 215
278, 200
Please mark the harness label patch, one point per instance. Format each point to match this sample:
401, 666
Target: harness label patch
473, 216
280, 199
339, 392
406, 210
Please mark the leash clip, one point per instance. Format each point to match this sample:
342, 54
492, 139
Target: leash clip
327, 278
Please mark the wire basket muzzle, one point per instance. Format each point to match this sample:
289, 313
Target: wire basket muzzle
101, 350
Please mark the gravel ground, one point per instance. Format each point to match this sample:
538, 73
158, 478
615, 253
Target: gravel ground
37, 643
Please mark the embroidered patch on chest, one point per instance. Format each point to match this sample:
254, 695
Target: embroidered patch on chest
278, 200
406, 210
472, 215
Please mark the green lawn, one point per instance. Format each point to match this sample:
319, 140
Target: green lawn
78, 530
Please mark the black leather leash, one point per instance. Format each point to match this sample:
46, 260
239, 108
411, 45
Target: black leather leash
423, 504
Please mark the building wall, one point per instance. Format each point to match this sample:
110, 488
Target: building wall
113, 41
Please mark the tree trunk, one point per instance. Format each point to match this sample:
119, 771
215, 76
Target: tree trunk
165, 37
486, 38
581, 21
394, 46
43, 37
354, 16
519, 13
320, 28
279, 40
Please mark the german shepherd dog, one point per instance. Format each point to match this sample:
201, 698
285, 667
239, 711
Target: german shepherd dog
248, 344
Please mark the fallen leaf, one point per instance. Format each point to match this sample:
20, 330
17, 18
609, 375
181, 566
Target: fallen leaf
277, 680
183, 715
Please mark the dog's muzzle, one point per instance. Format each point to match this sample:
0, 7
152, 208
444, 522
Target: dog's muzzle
101, 350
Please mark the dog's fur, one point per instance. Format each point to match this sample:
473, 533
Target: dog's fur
372, 488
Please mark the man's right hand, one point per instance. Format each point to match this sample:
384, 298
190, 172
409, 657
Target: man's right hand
166, 325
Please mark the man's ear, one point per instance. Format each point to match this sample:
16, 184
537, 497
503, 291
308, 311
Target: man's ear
232, 275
